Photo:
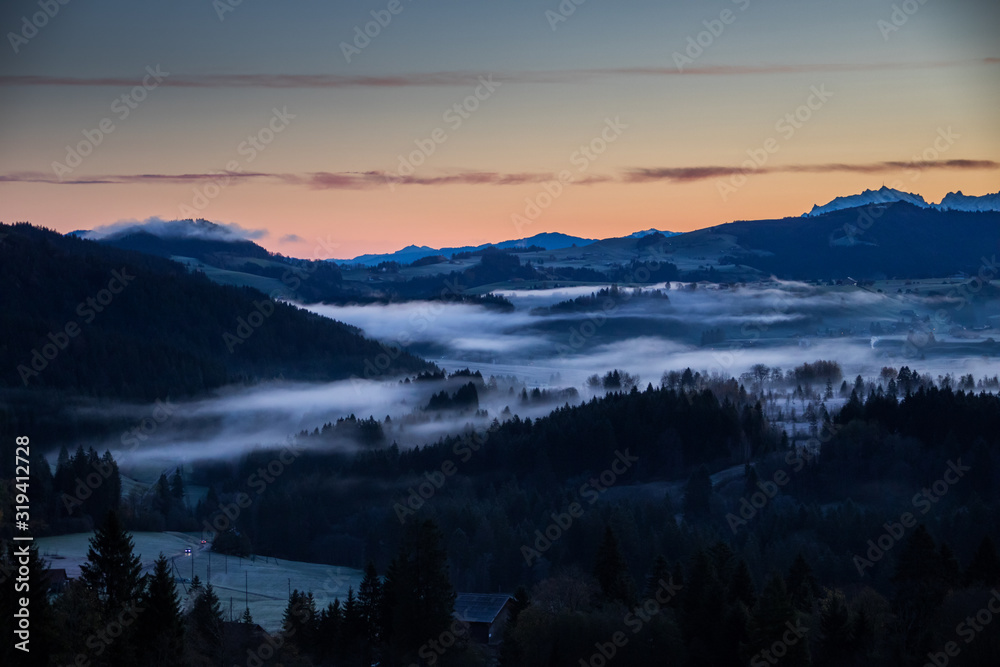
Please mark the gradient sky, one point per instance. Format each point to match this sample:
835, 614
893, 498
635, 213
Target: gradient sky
894, 94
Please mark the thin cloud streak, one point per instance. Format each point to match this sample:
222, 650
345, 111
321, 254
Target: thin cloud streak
373, 179
689, 174
459, 78
314, 180
126, 179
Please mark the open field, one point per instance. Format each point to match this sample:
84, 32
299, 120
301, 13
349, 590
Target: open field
261, 583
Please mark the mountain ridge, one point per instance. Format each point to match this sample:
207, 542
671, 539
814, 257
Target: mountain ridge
411, 253
953, 201
158, 329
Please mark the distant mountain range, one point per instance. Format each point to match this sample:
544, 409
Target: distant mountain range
411, 253
953, 201
956, 201
547, 240
907, 237
650, 232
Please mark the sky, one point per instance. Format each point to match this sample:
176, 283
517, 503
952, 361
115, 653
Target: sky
459, 122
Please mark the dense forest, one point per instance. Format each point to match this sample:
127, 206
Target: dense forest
606, 299
893, 239
872, 540
81, 319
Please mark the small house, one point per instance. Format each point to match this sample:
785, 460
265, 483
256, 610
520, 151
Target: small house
486, 615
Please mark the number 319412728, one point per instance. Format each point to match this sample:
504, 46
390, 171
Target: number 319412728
22, 472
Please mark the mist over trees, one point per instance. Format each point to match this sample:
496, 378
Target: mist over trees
770, 544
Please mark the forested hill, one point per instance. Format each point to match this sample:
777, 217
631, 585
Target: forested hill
896, 239
198, 248
101, 321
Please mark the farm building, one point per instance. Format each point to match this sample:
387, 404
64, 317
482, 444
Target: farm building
486, 615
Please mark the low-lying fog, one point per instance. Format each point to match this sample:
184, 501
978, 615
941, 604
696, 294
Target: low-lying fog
715, 330
778, 324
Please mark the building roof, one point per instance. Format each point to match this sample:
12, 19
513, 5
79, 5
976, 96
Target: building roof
56, 576
478, 607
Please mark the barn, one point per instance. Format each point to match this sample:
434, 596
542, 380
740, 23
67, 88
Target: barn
486, 615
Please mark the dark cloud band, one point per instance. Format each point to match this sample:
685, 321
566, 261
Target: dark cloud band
373, 179
459, 78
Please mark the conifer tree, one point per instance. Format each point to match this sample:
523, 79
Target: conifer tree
370, 609
698, 495
984, 568
177, 487
659, 573
112, 570
611, 570
802, 584
741, 587
418, 595
328, 629
836, 627
352, 628
775, 620
298, 619
205, 629
160, 626
511, 653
